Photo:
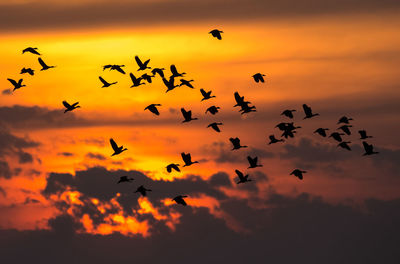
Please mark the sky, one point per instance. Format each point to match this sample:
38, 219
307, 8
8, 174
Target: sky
59, 197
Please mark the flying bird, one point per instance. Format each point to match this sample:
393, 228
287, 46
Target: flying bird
344, 145
216, 33
321, 131
44, 65
114, 67
215, 126
187, 158
206, 95
146, 77
70, 107
142, 190
175, 72
308, 112
169, 83
236, 143
31, 50
117, 150
135, 81
369, 149
27, 70
125, 179
239, 100
337, 136
153, 108
258, 77
363, 134
344, 120
16, 85
105, 83
179, 199
159, 71
288, 113
274, 140
298, 173
242, 178
173, 166
187, 83
253, 162
142, 65
187, 115
345, 129
213, 109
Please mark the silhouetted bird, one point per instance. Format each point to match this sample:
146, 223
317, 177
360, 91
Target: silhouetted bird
298, 173
187, 83
179, 199
282, 126
308, 112
363, 134
153, 108
16, 85
242, 178
187, 115
258, 77
135, 81
70, 107
142, 190
173, 166
105, 83
369, 149
114, 67
213, 109
239, 100
175, 72
216, 33
236, 143
187, 158
245, 108
288, 133
27, 70
253, 162
31, 50
337, 136
146, 77
159, 71
321, 131
344, 145
44, 65
117, 150
206, 95
142, 65
345, 129
288, 113
274, 140
344, 120
125, 179
169, 83
215, 126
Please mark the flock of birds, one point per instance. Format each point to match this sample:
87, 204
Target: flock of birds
288, 128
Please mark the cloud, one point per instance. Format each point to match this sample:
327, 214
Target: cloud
66, 154
97, 156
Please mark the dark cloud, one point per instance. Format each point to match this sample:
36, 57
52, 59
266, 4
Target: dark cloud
97, 156
3, 192
65, 154
50, 15
24, 157
6, 92
5, 170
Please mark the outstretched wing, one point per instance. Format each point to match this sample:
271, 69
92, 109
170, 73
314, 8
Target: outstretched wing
103, 81
133, 78
13, 82
204, 93
75, 104
138, 61
67, 105
239, 174
120, 70
307, 110
173, 70
185, 157
367, 147
184, 112
113, 144
41, 62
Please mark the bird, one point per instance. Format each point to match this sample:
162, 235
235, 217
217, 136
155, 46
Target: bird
70, 107
187, 83
344, 120
253, 162
369, 149
179, 199
363, 134
206, 95
321, 131
142, 65
245, 108
213, 109
216, 33
288, 113
258, 77
160, 72
142, 190
236, 143
105, 83
44, 65
125, 179
298, 173
117, 150
308, 112
345, 129
175, 72
288, 133
114, 67
215, 126
274, 140
242, 178
344, 145
135, 81
337, 136
173, 166
153, 108
27, 70
146, 77
187, 115
31, 50
169, 83
17, 85
187, 158
239, 100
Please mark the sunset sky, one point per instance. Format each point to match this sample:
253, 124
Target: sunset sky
59, 197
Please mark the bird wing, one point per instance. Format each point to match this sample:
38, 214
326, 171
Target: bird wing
363, 133
239, 174
169, 167
173, 70
103, 81
146, 62
307, 110
133, 78
216, 128
42, 63
184, 112
67, 105
13, 82
204, 93
138, 61
75, 104
250, 159
185, 157
367, 147
113, 144
120, 70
